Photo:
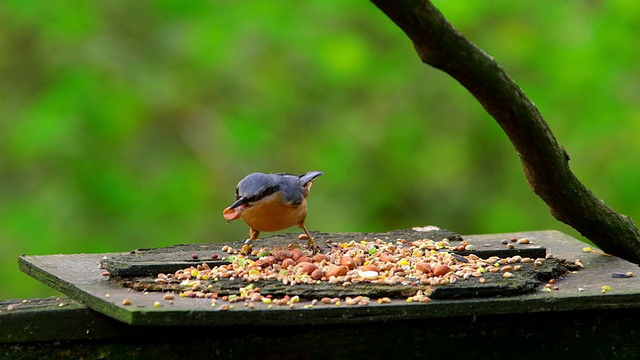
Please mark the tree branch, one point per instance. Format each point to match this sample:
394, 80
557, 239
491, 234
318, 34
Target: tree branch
545, 162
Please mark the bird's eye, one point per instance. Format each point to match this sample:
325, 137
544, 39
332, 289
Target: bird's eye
237, 194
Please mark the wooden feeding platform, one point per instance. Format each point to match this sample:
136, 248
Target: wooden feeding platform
586, 310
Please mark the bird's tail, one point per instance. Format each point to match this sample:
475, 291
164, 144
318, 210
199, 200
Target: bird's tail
305, 178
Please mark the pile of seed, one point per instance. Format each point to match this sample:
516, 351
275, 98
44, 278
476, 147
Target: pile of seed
394, 263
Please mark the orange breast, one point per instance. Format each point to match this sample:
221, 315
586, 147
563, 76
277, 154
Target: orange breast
272, 214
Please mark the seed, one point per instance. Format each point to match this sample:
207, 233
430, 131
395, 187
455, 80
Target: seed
303, 237
156, 304
552, 281
288, 262
441, 270
481, 280
325, 300
384, 257
349, 301
578, 263
214, 256
169, 297
105, 273
336, 271
368, 274
423, 266
224, 307
296, 254
194, 256
126, 302
368, 268
507, 275
63, 304
523, 241
348, 262
317, 258
517, 267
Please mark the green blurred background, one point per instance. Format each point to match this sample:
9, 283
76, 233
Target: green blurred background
127, 124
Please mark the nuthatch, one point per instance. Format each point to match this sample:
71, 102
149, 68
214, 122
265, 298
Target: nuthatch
272, 202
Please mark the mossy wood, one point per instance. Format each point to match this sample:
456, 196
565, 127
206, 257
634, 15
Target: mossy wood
151, 262
134, 267
80, 277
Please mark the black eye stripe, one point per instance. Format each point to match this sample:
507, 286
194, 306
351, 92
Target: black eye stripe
266, 192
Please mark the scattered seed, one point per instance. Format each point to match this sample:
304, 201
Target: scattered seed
126, 302
63, 304
524, 241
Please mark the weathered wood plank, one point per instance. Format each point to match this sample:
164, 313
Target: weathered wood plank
51, 319
79, 277
83, 334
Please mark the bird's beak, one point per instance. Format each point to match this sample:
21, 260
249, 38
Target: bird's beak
237, 203
234, 211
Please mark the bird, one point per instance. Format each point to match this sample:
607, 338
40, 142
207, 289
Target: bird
272, 202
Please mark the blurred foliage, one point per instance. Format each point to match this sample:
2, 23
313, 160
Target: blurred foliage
127, 124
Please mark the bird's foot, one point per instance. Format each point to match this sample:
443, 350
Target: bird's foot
313, 246
247, 247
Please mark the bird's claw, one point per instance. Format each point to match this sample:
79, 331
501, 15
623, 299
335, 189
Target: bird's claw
313, 246
246, 248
